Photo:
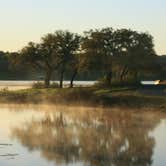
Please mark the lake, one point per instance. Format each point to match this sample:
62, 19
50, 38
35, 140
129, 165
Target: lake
18, 85
43, 135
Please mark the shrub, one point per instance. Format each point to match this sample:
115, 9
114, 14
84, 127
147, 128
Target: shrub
38, 85
116, 83
41, 85
102, 83
54, 85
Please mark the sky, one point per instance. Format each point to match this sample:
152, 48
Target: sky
22, 21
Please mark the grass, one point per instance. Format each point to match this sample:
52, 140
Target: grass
45, 95
116, 96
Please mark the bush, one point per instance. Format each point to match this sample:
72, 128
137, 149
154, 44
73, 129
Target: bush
38, 85
5, 89
54, 85
103, 84
41, 85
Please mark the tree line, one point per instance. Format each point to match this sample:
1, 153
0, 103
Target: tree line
120, 54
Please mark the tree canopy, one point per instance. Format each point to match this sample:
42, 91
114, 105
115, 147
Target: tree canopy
118, 54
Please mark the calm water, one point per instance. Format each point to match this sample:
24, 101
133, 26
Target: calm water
16, 85
66, 136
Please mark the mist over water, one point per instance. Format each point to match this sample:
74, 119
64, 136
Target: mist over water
62, 135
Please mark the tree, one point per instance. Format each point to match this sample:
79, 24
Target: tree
118, 52
67, 45
98, 48
49, 55
135, 52
53, 54
41, 56
75, 67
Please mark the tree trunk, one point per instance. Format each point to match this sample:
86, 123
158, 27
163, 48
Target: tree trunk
123, 73
72, 78
61, 79
109, 78
48, 78
136, 76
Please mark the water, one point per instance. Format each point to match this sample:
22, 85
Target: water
17, 85
150, 82
67, 136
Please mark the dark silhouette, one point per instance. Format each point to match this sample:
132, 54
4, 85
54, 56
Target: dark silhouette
120, 56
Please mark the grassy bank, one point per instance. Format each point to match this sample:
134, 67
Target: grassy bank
116, 96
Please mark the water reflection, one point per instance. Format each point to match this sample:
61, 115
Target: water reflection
92, 137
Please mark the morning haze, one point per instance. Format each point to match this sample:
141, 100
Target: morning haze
27, 20
82, 83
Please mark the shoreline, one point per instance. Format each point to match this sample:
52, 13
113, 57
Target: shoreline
116, 97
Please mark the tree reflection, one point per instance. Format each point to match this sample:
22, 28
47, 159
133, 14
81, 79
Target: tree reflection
120, 138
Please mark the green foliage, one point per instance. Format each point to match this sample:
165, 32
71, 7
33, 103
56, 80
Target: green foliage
7, 69
122, 53
120, 56
54, 53
116, 96
54, 85
67, 49
102, 83
41, 85
38, 85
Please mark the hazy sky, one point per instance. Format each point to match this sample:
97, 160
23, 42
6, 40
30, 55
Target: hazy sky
27, 20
